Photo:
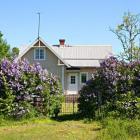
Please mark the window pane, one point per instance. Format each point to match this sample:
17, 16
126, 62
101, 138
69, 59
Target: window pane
72, 79
41, 53
83, 78
37, 53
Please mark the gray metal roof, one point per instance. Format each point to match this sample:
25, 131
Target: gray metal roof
84, 55
76, 55
81, 52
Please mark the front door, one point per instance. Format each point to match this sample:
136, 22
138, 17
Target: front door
72, 83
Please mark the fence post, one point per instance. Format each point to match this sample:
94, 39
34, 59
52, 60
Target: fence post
73, 103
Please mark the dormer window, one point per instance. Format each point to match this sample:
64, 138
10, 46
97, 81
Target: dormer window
39, 54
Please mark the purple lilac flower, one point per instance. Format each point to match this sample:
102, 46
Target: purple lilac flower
39, 87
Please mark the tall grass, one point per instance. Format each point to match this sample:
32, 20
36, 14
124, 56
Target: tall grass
48, 129
120, 130
69, 128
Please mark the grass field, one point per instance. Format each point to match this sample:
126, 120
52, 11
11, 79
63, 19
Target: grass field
69, 128
46, 129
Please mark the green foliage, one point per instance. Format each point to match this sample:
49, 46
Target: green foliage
23, 110
113, 91
28, 90
119, 129
52, 99
15, 52
88, 100
127, 106
128, 33
4, 48
6, 99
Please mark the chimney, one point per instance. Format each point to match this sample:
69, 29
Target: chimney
62, 42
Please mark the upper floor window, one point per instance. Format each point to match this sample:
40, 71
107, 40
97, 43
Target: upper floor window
83, 78
39, 54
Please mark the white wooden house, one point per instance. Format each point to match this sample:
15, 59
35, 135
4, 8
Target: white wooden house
74, 65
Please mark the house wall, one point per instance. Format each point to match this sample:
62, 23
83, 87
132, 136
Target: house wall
90, 71
50, 62
65, 81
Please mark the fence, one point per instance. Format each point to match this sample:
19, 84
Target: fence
70, 104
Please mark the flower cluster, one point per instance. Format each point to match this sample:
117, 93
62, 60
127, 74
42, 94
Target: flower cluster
26, 83
110, 85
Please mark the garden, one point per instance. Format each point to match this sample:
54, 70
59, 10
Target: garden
31, 98
28, 91
112, 97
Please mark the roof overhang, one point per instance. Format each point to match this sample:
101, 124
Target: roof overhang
46, 45
84, 62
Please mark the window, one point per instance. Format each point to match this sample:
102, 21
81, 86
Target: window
83, 78
39, 54
72, 80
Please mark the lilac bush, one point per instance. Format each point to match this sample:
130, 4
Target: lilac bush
124, 94
88, 100
116, 89
30, 87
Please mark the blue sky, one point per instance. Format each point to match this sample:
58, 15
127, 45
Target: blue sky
78, 21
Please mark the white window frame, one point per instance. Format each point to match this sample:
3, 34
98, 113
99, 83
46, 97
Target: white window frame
81, 77
72, 79
39, 53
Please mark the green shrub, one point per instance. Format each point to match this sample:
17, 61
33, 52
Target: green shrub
127, 105
114, 90
24, 110
88, 100
119, 129
133, 129
6, 99
28, 90
52, 99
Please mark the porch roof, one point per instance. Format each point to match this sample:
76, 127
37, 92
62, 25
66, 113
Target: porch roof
84, 55
84, 63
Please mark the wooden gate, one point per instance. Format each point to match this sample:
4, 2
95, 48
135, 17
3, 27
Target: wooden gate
70, 104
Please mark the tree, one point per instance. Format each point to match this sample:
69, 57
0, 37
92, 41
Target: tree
15, 52
128, 32
4, 48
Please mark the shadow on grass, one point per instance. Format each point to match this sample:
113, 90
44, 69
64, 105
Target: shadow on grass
68, 117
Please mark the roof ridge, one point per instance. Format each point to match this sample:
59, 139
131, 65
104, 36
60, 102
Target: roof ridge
91, 45
83, 46
82, 58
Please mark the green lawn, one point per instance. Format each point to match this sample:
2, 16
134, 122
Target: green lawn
46, 129
68, 127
